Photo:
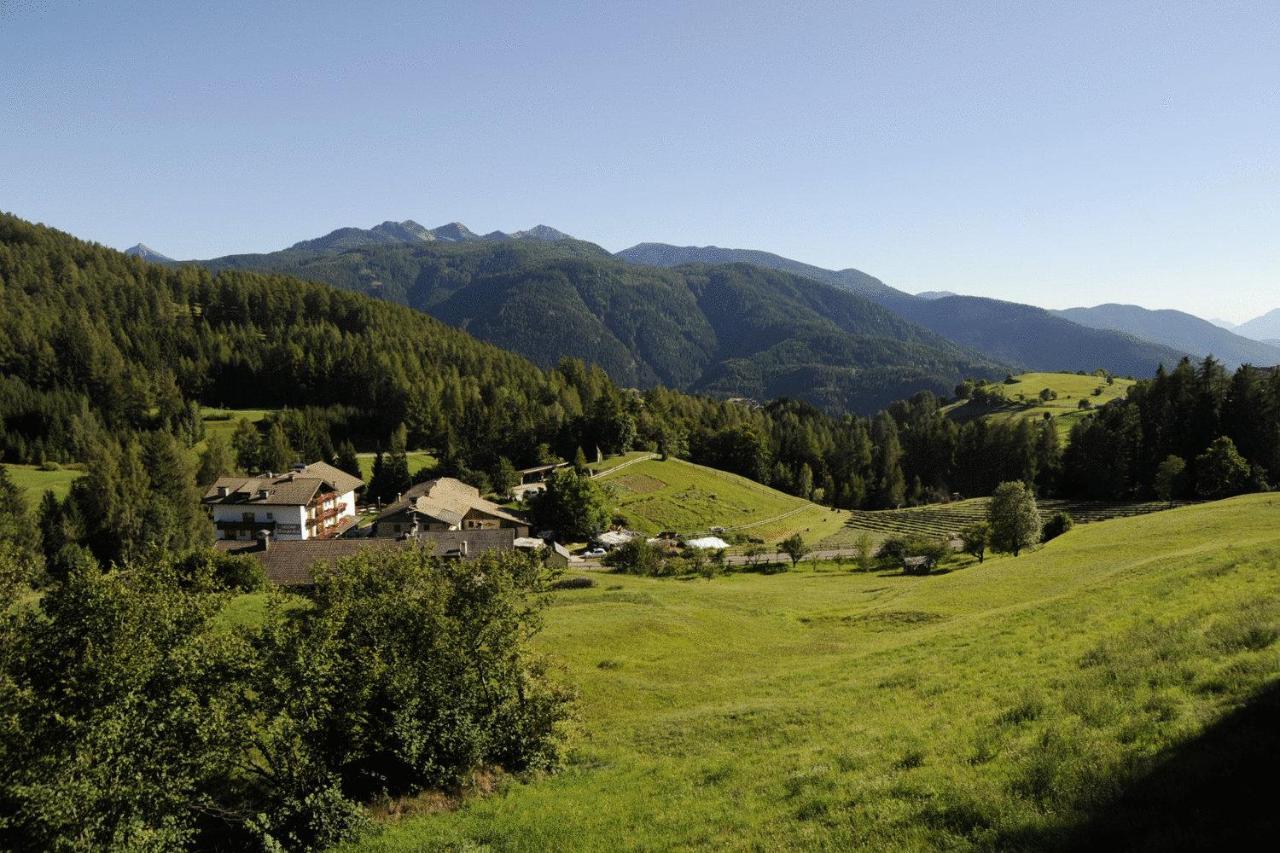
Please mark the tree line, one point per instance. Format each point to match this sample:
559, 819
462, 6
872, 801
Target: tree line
94, 344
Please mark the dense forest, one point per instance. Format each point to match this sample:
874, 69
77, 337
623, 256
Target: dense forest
733, 330
95, 347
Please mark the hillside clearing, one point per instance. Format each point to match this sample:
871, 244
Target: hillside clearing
996, 706
675, 495
948, 519
1071, 388
36, 481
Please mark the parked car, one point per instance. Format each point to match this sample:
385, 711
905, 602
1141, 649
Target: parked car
594, 552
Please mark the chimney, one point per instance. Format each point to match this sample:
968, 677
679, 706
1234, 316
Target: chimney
223, 491
462, 547
264, 540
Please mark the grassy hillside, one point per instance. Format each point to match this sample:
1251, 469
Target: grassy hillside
1024, 402
949, 519
688, 498
1006, 705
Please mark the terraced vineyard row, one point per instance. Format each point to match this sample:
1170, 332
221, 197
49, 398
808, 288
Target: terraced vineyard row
947, 519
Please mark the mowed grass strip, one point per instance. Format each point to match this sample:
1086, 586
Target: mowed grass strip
992, 707
657, 495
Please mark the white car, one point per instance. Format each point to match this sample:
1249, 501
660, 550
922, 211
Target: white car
594, 552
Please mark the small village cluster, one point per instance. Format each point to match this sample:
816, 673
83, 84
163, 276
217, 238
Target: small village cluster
292, 521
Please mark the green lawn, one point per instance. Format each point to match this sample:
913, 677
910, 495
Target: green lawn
37, 482
418, 460
1070, 387
688, 498
224, 421
993, 706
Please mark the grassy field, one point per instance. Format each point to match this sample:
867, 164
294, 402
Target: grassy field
36, 482
1009, 705
950, 518
1070, 387
224, 421
418, 460
688, 498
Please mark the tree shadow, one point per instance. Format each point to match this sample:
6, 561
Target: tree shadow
1216, 792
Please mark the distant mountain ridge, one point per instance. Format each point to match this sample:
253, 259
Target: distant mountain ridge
667, 255
410, 232
1009, 332
727, 329
142, 250
1179, 330
1266, 327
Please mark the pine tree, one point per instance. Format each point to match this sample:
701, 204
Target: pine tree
277, 454
348, 460
216, 460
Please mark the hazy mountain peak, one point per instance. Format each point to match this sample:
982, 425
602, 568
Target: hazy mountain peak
1264, 328
142, 250
935, 294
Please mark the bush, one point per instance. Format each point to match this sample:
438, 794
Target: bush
1058, 524
636, 557
50, 465
573, 583
897, 548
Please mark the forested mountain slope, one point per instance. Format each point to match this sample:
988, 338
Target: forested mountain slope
733, 330
1178, 330
1024, 335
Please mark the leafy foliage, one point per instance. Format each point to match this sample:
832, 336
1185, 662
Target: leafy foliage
1014, 519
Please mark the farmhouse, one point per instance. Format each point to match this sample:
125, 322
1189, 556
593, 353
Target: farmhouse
441, 505
311, 501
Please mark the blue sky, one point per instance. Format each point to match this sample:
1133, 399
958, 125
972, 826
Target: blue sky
1059, 154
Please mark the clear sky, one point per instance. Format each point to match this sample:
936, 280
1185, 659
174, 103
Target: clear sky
1059, 154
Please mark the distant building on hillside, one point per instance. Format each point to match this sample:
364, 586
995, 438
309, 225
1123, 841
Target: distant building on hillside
441, 505
311, 501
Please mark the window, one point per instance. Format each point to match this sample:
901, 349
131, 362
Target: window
246, 517
271, 516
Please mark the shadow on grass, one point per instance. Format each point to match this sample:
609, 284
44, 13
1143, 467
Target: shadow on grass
1216, 792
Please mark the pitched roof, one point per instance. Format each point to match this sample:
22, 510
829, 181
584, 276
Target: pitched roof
446, 499
294, 488
289, 562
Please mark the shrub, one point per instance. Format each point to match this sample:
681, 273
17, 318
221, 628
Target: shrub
636, 557
573, 583
1058, 524
50, 465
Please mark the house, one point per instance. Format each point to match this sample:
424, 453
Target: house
311, 501
441, 505
291, 563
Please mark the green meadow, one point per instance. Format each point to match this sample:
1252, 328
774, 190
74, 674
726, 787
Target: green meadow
418, 460
1012, 704
1071, 388
657, 495
36, 481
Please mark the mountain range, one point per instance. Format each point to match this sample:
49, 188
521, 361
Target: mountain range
391, 233
727, 329
1022, 335
738, 322
1179, 330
